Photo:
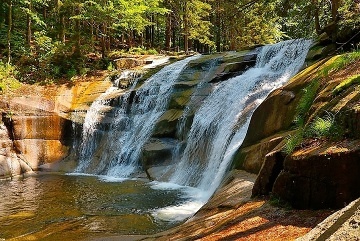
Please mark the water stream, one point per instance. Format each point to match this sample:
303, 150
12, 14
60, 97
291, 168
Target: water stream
101, 197
221, 123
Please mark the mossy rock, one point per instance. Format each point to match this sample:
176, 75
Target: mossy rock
180, 99
166, 125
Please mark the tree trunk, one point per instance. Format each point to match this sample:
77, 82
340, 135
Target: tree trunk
2, 13
335, 4
77, 52
28, 23
152, 30
10, 19
168, 28
186, 29
316, 16
103, 41
218, 26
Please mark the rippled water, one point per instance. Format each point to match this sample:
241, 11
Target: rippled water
61, 207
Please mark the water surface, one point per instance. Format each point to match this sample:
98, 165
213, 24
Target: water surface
71, 207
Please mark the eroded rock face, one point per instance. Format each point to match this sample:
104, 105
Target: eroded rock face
37, 122
326, 176
321, 173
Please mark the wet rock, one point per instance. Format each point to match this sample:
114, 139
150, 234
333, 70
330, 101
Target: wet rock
251, 158
265, 123
166, 125
157, 152
180, 99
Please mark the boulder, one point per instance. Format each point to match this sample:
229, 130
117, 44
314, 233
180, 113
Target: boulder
128, 63
157, 151
270, 170
251, 158
264, 123
320, 177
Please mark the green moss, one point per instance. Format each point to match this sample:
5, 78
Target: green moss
340, 62
355, 79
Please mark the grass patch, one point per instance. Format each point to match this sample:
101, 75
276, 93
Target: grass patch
305, 102
340, 62
293, 141
325, 126
132, 51
346, 84
279, 202
321, 126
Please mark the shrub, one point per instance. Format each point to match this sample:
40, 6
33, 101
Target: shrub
8, 79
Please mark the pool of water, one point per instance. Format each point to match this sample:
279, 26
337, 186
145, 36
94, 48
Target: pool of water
73, 207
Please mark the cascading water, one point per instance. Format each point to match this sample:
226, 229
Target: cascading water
221, 123
133, 122
92, 132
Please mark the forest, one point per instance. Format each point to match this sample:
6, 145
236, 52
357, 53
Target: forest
53, 39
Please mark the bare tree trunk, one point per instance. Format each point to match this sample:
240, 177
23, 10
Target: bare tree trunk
168, 29
186, 29
218, 26
316, 16
77, 51
152, 30
103, 41
335, 4
10, 20
28, 23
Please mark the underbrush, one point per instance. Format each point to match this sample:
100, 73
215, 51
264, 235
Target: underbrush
8, 79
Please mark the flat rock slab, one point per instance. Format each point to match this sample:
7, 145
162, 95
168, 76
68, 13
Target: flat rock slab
344, 225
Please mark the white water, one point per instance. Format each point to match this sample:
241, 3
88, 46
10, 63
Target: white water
131, 127
221, 123
217, 131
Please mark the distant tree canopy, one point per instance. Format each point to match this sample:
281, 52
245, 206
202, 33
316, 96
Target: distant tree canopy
42, 33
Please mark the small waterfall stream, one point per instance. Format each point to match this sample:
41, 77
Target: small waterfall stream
221, 123
131, 126
217, 131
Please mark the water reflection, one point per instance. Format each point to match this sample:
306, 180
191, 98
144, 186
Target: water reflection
45, 206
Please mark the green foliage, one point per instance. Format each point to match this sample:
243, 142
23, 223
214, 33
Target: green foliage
8, 80
346, 83
142, 51
293, 141
305, 102
325, 126
340, 62
321, 126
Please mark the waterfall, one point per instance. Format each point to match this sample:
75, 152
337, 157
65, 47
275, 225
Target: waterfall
132, 123
220, 124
